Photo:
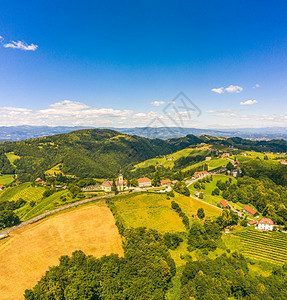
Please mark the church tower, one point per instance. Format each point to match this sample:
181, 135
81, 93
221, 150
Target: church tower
121, 182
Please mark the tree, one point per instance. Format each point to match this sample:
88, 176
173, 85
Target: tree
134, 182
114, 187
200, 213
156, 180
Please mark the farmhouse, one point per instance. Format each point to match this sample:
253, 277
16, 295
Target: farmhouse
121, 184
265, 224
224, 203
252, 223
224, 155
165, 182
249, 210
144, 182
236, 172
208, 158
199, 174
2, 187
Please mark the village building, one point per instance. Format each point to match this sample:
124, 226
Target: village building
236, 173
225, 155
165, 182
283, 162
252, 223
121, 184
224, 203
249, 210
144, 182
265, 224
199, 174
2, 187
208, 158
38, 179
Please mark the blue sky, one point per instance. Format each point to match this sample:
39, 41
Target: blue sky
121, 63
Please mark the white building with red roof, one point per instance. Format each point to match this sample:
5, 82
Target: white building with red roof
265, 224
144, 182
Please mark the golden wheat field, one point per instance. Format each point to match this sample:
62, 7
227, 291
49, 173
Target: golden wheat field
29, 251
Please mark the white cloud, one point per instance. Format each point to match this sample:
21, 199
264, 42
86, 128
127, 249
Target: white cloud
1, 38
157, 103
256, 86
218, 90
234, 89
230, 89
249, 102
21, 45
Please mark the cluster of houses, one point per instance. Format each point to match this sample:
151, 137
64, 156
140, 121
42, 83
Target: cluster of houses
122, 184
201, 174
265, 224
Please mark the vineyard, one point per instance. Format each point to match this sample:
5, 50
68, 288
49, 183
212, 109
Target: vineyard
270, 246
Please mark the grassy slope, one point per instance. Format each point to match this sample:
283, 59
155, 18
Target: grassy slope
165, 161
212, 164
154, 211
12, 157
6, 179
28, 252
209, 187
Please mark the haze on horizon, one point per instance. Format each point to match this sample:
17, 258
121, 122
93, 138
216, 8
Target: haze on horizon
123, 64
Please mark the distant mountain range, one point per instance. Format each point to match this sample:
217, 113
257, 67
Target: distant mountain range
17, 133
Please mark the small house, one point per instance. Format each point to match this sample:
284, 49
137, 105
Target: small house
144, 182
224, 203
252, 223
249, 210
165, 182
2, 187
208, 158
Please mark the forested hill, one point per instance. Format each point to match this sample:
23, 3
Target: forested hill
85, 153
102, 153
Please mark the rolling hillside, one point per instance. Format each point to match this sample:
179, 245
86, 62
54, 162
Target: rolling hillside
27, 253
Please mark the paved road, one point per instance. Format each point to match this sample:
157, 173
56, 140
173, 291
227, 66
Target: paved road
37, 218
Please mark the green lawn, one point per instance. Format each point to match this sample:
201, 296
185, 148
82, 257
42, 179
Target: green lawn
168, 160
6, 179
153, 210
12, 157
212, 164
209, 187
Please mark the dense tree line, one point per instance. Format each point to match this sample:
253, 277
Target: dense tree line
268, 197
145, 272
228, 277
183, 216
259, 169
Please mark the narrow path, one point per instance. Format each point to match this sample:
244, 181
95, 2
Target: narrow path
205, 202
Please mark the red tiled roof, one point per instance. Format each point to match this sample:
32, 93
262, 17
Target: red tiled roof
266, 221
107, 183
252, 222
224, 203
144, 179
249, 209
164, 181
2, 186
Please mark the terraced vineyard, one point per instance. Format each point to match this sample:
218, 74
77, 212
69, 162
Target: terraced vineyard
264, 246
